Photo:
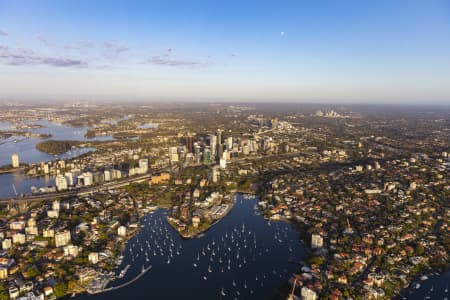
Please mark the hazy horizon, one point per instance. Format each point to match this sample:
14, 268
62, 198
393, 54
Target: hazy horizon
383, 52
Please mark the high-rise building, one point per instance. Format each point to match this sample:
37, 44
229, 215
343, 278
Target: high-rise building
189, 141
173, 154
197, 153
213, 144
207, 155
215, 174
46, 168
223, 163
220, 151
15, 160
61, 182
107, 174
229, 143
88, 178
143, 165
219, 136
70, 178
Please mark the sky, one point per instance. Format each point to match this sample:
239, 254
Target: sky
347, 51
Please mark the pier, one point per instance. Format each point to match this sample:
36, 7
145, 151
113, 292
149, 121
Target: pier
121, 285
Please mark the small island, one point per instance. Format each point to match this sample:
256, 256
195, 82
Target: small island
53, 147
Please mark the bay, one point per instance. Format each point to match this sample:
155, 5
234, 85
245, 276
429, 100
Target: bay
256, 251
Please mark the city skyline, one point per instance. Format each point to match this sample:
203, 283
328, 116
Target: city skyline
296, 51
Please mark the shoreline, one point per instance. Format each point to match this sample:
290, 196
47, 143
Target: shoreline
202, 232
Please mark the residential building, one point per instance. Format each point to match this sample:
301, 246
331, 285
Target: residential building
15, 160
62, 238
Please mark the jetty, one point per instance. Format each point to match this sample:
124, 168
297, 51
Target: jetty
104, 290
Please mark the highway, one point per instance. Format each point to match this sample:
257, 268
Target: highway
116, 184
80, 191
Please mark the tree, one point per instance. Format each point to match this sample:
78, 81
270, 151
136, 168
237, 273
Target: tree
60, 289
419, 250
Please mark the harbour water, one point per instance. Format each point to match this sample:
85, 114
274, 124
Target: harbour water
26, 147
241, 257
22, 183
431, 286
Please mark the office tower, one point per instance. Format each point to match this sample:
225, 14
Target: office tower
197, 153
173, 154
189, 141
229, 143
219, 136
215, 174
213, 144
220, 152
223, 163
207, 155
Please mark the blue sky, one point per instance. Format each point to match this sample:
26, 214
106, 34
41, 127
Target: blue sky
306, 51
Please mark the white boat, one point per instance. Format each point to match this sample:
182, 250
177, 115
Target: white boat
222, 293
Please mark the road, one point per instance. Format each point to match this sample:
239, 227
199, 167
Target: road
80, 191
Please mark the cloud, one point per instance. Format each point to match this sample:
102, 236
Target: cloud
86, 44
44, 40
170, 62
4, 33
19, 57
116, 47
79, 45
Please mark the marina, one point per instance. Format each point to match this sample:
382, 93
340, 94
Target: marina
241, 257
